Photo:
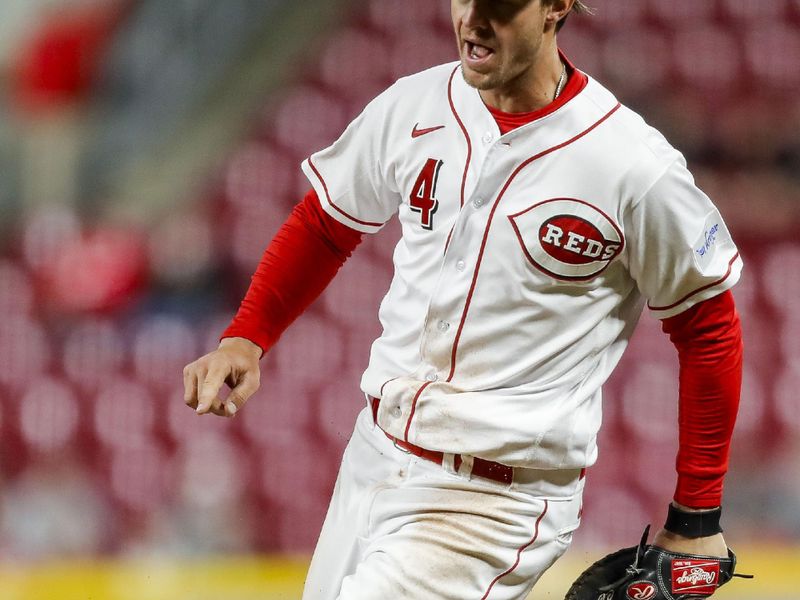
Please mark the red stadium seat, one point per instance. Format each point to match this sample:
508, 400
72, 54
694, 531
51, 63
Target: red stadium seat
707, 58
746, 291
650, 341
48, 415
162, 346
582, 46
619, 15
296, 469
678, 13
250, 233
124, 414
93, 353
140, 477
402, 17
781, 289
311, 340
751, 417
342, 67
259, 175
686, 116
614, 516
181, 248
25, 352
652, 390
786, 406
280, 412
790, 340
347, 299
340, 403
658, 457
47, 232
211, 473
772, 53
423, 47
16, 291
636, 60
301, 521
309, 120
750, 11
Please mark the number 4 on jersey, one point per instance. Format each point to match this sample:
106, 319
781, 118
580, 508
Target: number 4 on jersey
423, 194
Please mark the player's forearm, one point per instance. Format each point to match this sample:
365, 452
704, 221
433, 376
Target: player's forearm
296, 267
709, 343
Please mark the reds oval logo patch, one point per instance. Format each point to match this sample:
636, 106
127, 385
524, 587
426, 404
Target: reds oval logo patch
567, 238
642, 590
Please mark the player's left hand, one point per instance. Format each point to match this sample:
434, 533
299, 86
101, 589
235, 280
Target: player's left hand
672, 568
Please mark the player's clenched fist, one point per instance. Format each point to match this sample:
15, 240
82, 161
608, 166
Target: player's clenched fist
234, 362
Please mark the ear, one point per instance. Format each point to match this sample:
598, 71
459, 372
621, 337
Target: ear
557, 10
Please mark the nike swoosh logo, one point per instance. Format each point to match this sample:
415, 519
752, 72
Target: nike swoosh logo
415, 133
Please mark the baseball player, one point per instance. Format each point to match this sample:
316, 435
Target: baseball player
539, 216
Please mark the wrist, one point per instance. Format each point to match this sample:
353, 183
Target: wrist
242, 344
693, 523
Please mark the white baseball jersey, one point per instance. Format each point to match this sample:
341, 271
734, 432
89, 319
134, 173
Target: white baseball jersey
524, 262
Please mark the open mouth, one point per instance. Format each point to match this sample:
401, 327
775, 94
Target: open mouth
477, 54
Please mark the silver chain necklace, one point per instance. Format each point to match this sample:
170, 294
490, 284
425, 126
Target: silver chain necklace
561, 81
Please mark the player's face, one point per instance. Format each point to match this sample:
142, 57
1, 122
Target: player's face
499, 40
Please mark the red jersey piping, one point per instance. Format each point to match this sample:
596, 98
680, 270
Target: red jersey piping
328, 197
491, 217
698, 290
520, 550
463, 130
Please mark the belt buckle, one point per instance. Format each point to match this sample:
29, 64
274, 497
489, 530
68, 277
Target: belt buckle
396, 445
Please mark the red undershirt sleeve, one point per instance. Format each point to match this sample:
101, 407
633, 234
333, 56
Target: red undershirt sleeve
296, 267
709, 342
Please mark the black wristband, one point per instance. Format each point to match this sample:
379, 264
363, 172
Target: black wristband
693, 524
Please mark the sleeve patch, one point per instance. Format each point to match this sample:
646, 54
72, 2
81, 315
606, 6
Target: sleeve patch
714, 235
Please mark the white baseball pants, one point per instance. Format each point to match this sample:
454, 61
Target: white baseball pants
403, 527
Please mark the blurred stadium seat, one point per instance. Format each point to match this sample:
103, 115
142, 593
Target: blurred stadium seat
124, 414
25, 352
139, 477
48, 415
772, 52
680, 13
637, 60
93, 351
16, 293
751, 11
707, 57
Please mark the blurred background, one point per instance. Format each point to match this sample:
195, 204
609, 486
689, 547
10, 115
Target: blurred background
149, 149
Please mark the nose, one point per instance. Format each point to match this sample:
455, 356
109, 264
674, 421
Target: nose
474, 15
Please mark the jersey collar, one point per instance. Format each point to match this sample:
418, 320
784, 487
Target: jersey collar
509, 121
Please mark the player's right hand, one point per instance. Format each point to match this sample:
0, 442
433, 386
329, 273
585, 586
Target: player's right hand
235, 363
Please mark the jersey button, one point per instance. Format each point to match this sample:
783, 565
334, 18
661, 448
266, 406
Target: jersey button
443, 326
478, 202
488, 137
396, 412
461, 265
432, 377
